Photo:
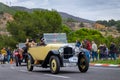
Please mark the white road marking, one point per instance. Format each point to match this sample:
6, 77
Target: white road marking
12, 67
23, 71
66, 77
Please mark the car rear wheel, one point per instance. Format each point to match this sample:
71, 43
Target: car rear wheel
54, 64
30, 61
83, 63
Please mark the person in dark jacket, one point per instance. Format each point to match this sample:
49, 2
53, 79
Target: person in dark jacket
119, 51
8, 54
77, 44
113, 51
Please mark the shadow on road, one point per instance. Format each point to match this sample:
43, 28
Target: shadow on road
61, 72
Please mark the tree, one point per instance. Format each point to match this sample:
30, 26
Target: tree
111, 22
7, 41
104, 22
118, 26
31, 24
82, 24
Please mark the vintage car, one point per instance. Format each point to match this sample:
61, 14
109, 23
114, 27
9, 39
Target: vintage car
55, 54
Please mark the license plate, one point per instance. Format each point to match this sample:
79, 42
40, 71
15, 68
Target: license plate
70, 64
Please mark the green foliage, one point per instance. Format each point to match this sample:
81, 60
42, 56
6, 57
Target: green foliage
65, 29
110, 23
103, 22
89, 34
82, 24
6, 41
33, 24
116, 62
70, 20
118, 26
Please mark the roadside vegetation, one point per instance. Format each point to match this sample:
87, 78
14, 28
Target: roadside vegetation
116, 62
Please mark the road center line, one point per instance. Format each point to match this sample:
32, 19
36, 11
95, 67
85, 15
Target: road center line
57, 76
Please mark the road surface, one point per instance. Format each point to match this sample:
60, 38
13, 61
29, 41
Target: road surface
11, 72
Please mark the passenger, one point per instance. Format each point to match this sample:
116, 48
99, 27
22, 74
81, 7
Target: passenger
42, 42
30, 43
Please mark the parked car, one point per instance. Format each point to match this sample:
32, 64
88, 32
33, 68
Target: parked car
55, 54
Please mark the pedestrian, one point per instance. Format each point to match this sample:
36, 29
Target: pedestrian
83, 45
4, 54
78, 44
94, 51
119, 51
106, 52
101, 51
8, 54
113, 51
88, 45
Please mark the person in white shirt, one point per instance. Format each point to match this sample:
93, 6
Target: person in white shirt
94, 51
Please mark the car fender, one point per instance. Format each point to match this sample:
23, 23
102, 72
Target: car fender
52, 53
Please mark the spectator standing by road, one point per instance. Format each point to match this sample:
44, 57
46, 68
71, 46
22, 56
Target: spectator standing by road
8, 54
102, 49
83, 45
78, 44
119, 51
94, 51
113, 51
4, 54
106, 52
88, 45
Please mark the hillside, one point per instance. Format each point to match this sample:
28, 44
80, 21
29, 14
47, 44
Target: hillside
6, 13
7, 9
65, 15
13, 9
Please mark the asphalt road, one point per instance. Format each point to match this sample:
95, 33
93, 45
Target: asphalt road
11, 72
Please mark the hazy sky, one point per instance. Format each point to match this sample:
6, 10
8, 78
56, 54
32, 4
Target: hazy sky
88, 9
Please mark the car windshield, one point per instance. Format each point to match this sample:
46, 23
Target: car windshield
55, 38
21, 45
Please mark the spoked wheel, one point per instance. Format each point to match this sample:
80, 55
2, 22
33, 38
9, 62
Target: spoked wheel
83, 63
30, 61
54, 64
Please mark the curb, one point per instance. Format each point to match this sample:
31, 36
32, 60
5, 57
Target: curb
104, 65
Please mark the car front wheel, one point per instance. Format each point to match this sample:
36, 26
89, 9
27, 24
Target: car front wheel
54, 64
83, 63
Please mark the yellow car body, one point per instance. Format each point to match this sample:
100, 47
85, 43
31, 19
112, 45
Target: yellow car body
40, 52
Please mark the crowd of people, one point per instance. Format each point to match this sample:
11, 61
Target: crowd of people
100, 52
96, 52
5, 55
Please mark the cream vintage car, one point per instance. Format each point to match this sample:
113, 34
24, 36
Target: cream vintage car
55, 54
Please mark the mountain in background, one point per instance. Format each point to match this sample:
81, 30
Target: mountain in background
13, 9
